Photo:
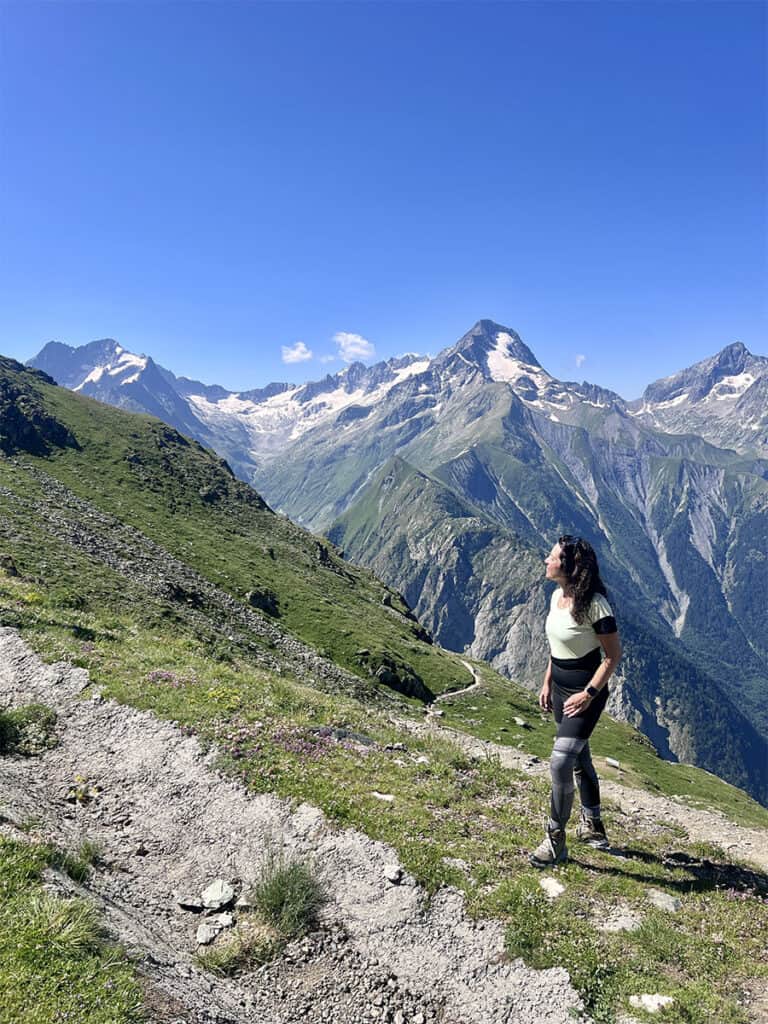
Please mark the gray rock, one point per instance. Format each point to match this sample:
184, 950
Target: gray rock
620, 922
218, 894
663, 900
206, 933
456, 862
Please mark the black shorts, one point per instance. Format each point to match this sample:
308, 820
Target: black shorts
569, 677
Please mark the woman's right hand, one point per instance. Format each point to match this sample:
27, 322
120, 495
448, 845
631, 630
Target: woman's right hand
545, 696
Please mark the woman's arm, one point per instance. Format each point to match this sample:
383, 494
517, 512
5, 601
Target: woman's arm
612, 649
545, 696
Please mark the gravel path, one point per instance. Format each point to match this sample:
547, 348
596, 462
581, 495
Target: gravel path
168, 824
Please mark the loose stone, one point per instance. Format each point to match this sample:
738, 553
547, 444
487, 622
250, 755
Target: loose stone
663, 900
393, 873
218, 894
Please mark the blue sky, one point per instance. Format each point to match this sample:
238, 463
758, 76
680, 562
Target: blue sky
214, 183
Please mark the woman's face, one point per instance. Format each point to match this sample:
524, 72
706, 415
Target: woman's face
552, 566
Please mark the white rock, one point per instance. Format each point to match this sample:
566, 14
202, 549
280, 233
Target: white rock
551, 887
520, 721
663, 900
218, 894
393, 873
244, 902
206, 932
422, 759
652, 1003
386, 797
222, 920
612, 762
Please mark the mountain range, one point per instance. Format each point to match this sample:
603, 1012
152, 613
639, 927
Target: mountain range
451, 476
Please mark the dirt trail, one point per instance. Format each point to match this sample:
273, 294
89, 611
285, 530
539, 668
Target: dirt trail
475, 685
168, 824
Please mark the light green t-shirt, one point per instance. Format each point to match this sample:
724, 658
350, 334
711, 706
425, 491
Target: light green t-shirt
568, 639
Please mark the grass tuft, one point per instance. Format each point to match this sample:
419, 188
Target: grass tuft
288, 894
249, 945
54, 964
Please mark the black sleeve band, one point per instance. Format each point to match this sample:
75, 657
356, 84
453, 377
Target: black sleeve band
606, 625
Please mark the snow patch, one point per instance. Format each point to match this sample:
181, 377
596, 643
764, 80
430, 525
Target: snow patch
127, 359
503, 366
95, 375
670, 402
731, 387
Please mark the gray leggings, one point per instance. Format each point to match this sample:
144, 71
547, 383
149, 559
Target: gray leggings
571, 757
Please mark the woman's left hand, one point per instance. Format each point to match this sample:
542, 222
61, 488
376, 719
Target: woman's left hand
576, 704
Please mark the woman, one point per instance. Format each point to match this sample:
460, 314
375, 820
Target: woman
580, 629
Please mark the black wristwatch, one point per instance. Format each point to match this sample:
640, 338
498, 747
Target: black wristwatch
592, 691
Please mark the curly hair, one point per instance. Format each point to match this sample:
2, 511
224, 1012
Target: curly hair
578, 563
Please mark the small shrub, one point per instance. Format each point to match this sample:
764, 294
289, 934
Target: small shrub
83, 790
27, 730
288, 894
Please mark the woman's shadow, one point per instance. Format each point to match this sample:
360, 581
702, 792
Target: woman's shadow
704, 875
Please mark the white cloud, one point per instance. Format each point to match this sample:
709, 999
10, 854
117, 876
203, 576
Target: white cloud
353, 347
298, 353
580, 360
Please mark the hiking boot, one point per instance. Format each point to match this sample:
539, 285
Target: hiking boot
592, 831
552, 850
